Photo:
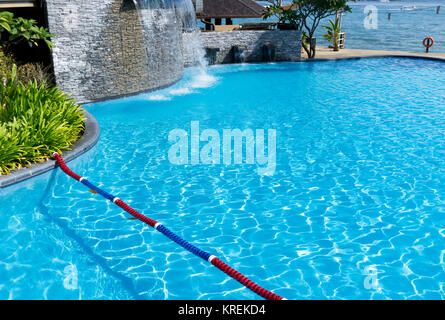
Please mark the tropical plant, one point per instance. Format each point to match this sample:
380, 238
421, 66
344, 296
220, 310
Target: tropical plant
24, 72
284, 15
35, 121
6, 64
333, 33
311, 12
20, 29
273, 10
24, 29
6, 20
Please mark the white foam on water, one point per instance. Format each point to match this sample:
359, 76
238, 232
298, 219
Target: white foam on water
203, 80
180, 91
197, 76
197, 79
158, 97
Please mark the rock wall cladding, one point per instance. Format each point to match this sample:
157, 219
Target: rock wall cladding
109, 48
286, 45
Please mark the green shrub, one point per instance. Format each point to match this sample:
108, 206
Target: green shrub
6, 64
29, 72
25, 72
35, 121
20, 29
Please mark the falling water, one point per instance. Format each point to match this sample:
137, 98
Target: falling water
162, 36
193, 51
173, 41
192, 48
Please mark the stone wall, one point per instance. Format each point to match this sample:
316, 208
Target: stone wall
110, 48
106, 48
286, 44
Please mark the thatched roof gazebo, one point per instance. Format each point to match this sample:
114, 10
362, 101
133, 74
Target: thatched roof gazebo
206, 10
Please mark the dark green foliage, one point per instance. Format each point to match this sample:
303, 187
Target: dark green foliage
20, 29
35, 121
25, 72
311, 12
306, 15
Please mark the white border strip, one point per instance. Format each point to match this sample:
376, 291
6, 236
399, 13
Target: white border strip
157, 225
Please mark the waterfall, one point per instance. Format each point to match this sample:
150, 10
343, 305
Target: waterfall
162, 37
172, 30
173, 42
193, 51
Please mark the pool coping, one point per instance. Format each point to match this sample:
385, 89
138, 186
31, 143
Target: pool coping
128, 95
88, 140
389, 55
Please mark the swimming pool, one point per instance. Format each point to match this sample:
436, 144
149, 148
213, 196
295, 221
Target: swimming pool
353, 210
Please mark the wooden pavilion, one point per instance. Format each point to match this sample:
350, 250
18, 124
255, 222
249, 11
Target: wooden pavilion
212, 12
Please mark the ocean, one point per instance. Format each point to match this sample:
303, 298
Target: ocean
410, 23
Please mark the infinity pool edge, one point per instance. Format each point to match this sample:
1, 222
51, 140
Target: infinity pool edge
358, 57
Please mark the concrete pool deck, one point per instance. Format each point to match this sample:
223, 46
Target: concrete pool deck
325, 53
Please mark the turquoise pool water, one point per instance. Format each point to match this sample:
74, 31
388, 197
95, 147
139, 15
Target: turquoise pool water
354, 210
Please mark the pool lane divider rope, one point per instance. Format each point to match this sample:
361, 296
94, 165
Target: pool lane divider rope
266, 294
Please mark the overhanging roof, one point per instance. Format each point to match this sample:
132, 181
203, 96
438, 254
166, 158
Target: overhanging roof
11, 4
230, 9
